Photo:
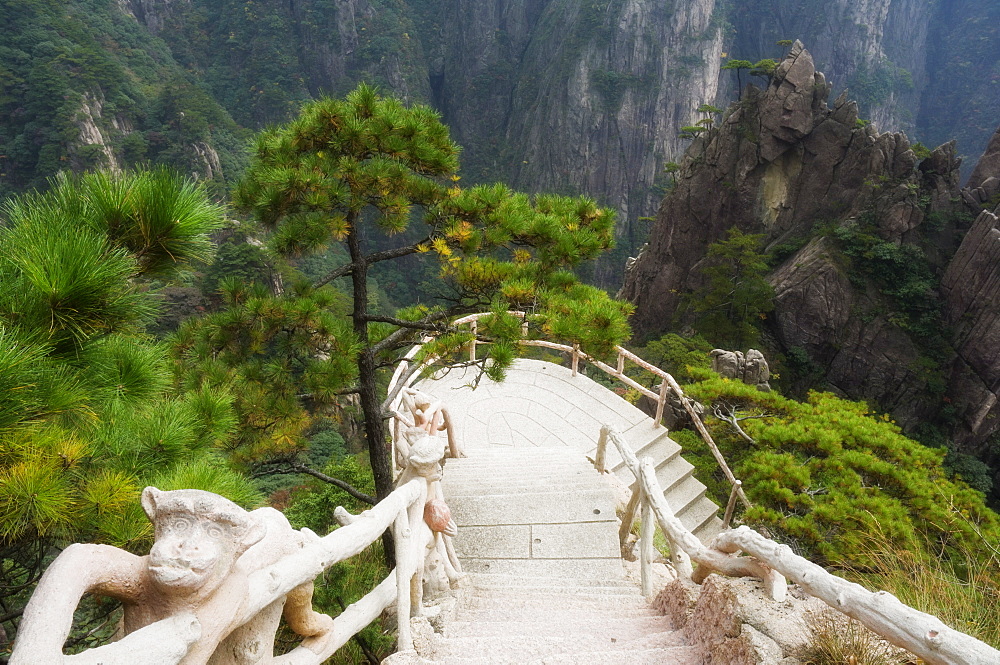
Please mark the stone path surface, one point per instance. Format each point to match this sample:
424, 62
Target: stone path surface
537, 530
538, 540
542, 405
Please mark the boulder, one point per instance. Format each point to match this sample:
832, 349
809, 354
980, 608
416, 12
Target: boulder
733, 622
751, 369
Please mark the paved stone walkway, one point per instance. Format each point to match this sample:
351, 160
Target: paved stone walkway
537, 530
538, 539
542, 405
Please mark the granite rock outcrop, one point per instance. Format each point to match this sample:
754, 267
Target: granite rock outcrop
813, 179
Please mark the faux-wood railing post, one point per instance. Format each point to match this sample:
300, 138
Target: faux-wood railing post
621, 363
404, 575
732, 504
576, 358
646, 545
474, 328
602, 451
629, 517
661, 404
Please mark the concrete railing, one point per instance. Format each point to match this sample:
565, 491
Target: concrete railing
406, 374
239, 609
921, 634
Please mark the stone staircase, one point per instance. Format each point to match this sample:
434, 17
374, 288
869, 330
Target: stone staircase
684, 492
541, 404
545, 584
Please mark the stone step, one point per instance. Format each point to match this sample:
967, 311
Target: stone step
590, 569
475, 455
666, 656
491, 488
517, 466
529, 605
660, 447
683, 495
679, 655
533, 647
620, 628
515, 463
670, 473
516, 582
580, 540
708, 527
590, 505
543, 482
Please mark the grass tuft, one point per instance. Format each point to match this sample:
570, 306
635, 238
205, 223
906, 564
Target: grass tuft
838, 640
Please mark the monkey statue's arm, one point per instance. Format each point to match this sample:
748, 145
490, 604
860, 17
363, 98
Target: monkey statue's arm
303, 619
165, 642
454, 448
48, 617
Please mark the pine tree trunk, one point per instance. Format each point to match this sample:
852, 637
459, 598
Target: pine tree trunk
371, 406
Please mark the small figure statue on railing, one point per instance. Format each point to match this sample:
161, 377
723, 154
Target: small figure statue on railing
424, 460
427, 413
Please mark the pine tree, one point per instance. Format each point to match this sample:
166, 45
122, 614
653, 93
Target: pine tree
350, 169
736, 297
88, 415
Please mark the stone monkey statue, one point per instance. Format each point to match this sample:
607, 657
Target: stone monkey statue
424, 461
430, 415
191, 600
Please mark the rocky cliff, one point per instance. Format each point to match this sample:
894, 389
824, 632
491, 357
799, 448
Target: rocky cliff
576, 96
928, 68
570, 95
971, 290
860, 231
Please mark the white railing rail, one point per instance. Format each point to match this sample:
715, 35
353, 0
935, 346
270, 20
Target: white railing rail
921, 634
169, 641
402, 510
404, 377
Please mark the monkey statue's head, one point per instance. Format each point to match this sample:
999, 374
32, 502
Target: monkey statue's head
425, 453
199, 537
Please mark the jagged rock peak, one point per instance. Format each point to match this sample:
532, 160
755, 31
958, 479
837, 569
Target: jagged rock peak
802, 173
781, 160
984, 183
790, 105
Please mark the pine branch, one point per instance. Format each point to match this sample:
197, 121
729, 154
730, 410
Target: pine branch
352, 390
385, 255
298, 467
11, 615
404, 323
398, 335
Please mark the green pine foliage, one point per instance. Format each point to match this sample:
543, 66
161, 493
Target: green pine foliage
829, 476
735, 296
88, 413
282, 359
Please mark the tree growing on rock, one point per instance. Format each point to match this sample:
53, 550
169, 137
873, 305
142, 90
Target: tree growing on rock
348, 170
735, 297
738, 66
